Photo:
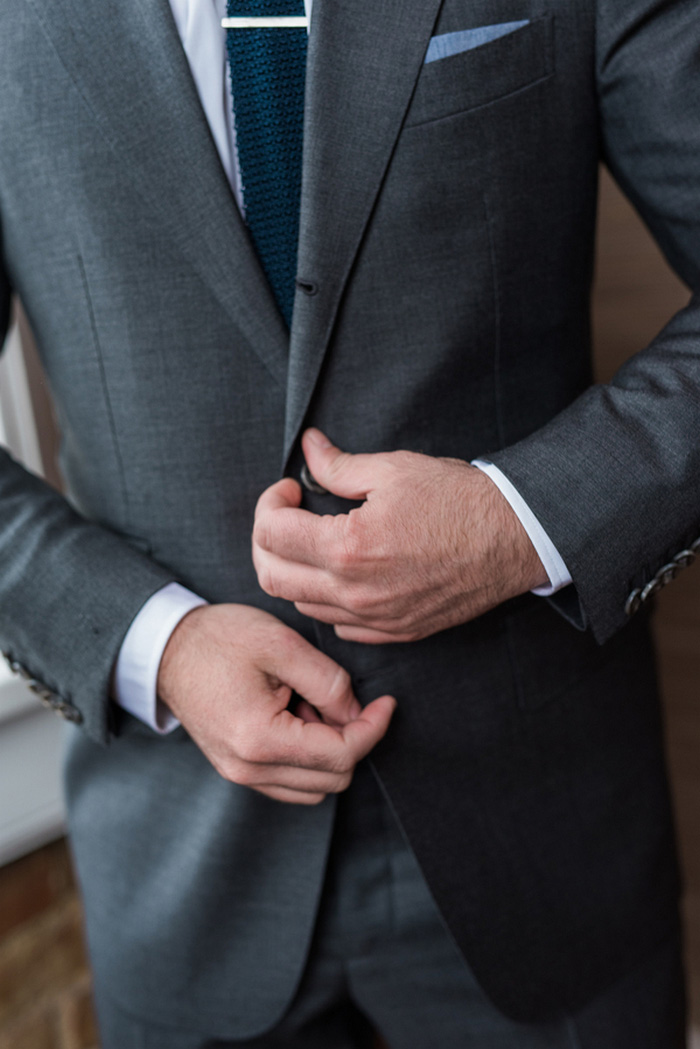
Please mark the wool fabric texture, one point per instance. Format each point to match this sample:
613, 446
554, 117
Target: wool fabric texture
268, 72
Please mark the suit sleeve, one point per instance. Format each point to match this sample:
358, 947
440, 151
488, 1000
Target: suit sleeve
68, 590
615, 478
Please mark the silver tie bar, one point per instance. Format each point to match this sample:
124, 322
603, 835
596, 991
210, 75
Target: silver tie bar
282, 22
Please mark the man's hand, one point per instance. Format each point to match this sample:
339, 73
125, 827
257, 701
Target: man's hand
228, 672
433, 544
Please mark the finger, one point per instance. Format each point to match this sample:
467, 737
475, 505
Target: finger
282, 494
320, 747
346, 475
307, 713
363, 734
315, 677
310, 745
291, 797
293, 533
293, 581
372, 636
308, 781
335, 615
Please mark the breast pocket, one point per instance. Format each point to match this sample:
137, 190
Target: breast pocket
478, 66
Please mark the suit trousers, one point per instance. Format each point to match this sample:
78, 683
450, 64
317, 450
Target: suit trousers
382, 961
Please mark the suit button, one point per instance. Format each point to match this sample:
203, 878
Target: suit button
70, 713
45, 694
651, 589
17, 668
66, 709
310, 483
685, 558
668, 573
633, 603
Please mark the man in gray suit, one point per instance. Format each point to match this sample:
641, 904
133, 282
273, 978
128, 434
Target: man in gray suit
440, 314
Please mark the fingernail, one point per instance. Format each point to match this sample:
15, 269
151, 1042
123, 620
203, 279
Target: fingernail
318, 438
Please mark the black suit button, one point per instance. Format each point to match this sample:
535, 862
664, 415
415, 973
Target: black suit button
634, 602
651, 589
668, 573
685, 558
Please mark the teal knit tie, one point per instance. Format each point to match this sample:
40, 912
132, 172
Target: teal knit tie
268, 69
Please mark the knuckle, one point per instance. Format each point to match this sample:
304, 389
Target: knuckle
288, 646
372, 600
355, 535
351, 601
243, 775
342, 556
251, 752
348, 547
397, 621
343, 765
343, 782
359, 601
235, 771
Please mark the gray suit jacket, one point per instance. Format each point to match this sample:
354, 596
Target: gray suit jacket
444, 273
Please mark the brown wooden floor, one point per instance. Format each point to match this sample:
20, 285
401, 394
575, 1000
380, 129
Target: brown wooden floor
635, 295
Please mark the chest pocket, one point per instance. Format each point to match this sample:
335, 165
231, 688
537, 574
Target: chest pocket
491, 61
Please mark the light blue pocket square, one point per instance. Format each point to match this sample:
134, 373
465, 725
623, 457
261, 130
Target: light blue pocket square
448, 44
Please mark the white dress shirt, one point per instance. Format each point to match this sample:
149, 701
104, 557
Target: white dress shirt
204, 41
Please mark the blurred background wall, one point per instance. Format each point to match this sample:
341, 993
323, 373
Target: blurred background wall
44, 976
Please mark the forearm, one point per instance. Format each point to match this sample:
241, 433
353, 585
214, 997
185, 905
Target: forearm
614, 479
68, 591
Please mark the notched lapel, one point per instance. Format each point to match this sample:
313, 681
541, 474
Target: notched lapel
160, 132
364, 60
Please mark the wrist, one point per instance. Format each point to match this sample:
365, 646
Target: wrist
136, 668
174, 662
557, 574
519, 566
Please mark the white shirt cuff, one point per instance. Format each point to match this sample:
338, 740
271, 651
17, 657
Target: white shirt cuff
136, 672
547, 552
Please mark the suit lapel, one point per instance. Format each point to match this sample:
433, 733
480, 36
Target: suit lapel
159, 131
364, 59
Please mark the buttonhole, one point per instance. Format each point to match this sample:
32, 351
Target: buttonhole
307, 286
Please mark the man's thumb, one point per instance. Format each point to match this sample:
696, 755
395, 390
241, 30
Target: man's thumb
343, 474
